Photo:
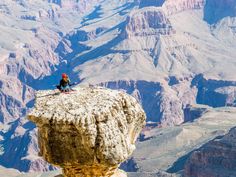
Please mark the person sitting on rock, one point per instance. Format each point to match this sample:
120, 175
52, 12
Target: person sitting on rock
64, 83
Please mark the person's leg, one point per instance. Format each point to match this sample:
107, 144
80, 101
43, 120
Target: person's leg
58, 87
67, 88
63, 89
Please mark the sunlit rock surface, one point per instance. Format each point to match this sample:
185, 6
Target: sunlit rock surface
89, 131
147, 22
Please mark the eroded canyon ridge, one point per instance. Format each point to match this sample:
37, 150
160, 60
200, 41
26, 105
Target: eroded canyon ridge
169, 54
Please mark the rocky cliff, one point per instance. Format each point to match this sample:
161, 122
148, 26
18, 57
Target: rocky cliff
216, 158
75, 4
88, 132
28, 53
167, 46
173, 6
147, 22
156, 100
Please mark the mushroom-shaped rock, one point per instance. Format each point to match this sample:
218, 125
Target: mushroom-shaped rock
88, 132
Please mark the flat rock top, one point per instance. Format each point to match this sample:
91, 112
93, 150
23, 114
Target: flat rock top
83, 102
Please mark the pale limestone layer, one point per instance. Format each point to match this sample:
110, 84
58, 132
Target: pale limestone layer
88, 132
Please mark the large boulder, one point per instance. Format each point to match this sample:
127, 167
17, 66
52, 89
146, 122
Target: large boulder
88, 132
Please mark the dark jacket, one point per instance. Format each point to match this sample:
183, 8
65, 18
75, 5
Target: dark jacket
64, 83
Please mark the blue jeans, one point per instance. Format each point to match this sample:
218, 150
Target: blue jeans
66, 88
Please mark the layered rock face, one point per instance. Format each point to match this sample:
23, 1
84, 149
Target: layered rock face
156, 100
215, 93
88, 132
147, 22
29, 52
173, 6
229, 95
81, 5
216, 158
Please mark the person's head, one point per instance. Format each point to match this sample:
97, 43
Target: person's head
64, 76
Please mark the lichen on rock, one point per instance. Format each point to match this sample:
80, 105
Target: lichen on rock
88, 132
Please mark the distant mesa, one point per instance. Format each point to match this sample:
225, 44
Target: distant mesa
147, 22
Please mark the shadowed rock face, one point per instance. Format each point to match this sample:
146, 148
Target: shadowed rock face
156, 3
216, 158
156, 101
215, 10
215, 93
88, 132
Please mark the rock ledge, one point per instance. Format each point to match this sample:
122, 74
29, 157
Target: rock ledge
88, 132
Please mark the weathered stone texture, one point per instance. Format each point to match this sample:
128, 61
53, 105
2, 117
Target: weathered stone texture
88, 132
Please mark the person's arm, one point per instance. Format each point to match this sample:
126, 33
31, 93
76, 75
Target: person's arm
69, 82
59, 86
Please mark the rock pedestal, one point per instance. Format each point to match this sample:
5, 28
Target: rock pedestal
88, 132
